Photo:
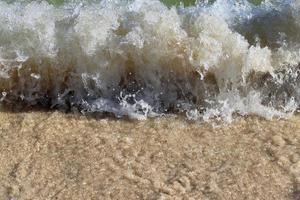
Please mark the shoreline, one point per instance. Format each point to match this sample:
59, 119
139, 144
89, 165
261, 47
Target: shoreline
48, 155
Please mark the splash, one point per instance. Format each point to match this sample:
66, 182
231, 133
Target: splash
142, 59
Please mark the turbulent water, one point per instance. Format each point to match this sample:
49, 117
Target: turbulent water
140, 58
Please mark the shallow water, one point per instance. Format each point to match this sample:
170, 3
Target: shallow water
144, 58
165, 158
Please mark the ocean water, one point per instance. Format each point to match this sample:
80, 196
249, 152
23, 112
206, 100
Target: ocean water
140, 58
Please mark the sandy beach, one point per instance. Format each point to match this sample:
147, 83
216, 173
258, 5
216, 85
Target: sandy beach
141, 59
51, 155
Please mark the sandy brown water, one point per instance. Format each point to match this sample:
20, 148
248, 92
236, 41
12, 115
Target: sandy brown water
51, 155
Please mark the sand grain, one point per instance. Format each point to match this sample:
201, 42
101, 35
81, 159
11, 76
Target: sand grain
50, 155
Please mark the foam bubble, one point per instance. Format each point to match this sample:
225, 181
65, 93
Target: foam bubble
140, 58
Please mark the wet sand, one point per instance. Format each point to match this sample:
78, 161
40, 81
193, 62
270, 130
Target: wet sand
51, 155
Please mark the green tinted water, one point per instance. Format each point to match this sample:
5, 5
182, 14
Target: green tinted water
167, 2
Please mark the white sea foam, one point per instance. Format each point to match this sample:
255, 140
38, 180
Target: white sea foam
140, 58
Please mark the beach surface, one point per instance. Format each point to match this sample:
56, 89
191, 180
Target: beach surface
52, 155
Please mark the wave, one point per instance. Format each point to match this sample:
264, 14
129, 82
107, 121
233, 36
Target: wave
142, 59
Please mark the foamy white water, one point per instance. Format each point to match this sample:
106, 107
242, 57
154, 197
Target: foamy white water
140, 58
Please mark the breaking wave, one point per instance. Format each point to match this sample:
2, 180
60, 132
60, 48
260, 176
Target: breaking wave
140, 58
